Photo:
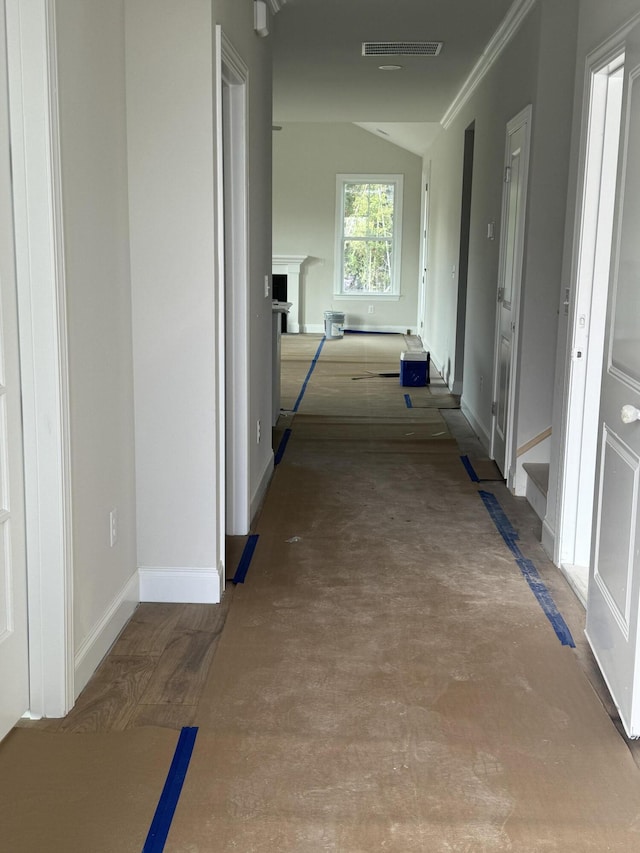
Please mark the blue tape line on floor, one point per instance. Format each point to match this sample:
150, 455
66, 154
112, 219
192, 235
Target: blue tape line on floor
245, 560
407, 400
505, 528
308, 377
161, 823
469, 467
538, 588
528, 569
282, 447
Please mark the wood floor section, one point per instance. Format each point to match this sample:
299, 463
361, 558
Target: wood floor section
154, 673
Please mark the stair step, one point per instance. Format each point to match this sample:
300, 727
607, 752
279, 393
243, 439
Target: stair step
537, 486
539, 473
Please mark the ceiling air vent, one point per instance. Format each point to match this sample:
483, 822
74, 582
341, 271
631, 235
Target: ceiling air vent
401, 48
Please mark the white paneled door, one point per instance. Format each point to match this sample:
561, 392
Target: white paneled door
14, 689
614, 588
509, 281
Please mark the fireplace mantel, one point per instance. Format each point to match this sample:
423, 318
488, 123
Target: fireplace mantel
291, 266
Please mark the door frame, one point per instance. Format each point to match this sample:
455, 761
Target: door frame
424, 257
40, 266
233, 290
577, 455
522, 119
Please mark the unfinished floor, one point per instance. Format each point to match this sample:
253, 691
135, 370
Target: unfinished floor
384, 679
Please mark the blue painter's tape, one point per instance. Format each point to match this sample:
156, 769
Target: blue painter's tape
161, 823
528, 569
407, 400
469, 468
505, 528
308, 377
539, 589
282, 447
245, 560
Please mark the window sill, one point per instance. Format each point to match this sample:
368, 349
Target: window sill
369, 297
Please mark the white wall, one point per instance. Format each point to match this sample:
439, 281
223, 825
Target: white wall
306, 160
171, 144
95, 213
172, 137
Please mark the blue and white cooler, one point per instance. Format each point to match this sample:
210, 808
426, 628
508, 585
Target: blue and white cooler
414, 369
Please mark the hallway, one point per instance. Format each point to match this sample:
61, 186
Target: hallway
385, 678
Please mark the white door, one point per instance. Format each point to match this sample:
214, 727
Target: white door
509, 280
422, 290
14, 664
613, 603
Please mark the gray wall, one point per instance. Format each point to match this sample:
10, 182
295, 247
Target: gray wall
597, 22
535, 68
306, 160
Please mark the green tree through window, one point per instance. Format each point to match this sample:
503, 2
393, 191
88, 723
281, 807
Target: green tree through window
368, 237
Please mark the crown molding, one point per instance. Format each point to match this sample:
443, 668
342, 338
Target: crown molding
500, 39
276, 5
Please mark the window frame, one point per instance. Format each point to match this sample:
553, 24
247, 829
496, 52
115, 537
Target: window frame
342, 181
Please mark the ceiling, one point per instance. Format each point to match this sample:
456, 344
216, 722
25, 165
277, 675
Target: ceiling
320, 74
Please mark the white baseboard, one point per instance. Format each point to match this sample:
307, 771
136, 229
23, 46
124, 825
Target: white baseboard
314, 328
101, 638
261, 491
180, 586
549, 540
478, 428
395, 330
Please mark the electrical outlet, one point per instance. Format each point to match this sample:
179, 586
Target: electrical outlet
113, 527
258, 431
267, 286
371, 309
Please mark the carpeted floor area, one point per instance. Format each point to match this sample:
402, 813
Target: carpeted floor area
385, 678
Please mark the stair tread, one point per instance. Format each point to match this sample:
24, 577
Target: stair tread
539, 473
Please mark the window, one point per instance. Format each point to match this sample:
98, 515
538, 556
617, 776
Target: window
369, 212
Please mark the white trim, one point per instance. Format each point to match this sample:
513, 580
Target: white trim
232, 206
180, 586
396, 241
291, 266
220, 319
276, 5
562, 546
263, 485
43, 351
99, 641
369, 297
500, 39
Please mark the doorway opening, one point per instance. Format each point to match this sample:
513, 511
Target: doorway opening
235, 290
587, 322
463, 259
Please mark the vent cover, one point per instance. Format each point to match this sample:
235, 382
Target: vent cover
401, 48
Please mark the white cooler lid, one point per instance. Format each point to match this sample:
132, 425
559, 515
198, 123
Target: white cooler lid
414, 356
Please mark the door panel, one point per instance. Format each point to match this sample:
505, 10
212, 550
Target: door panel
614, 590
511, 258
